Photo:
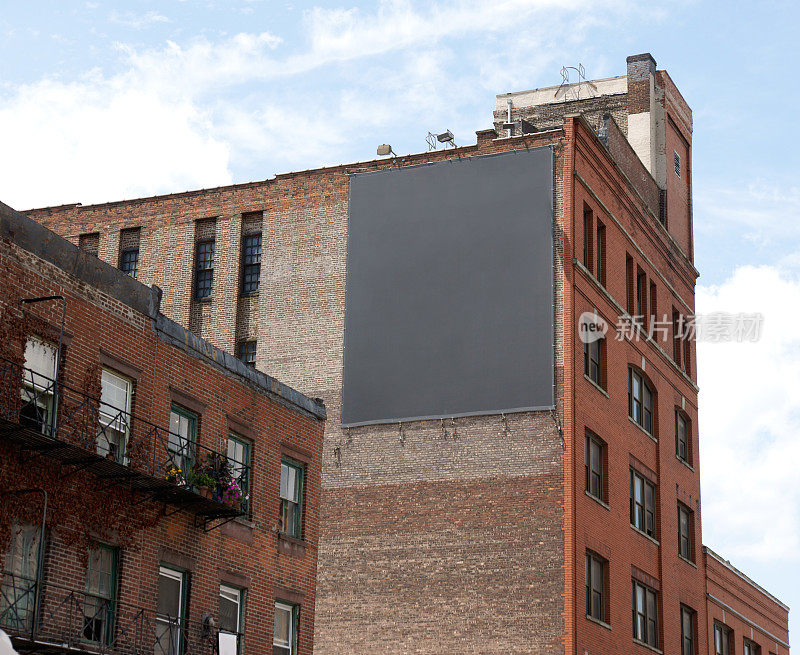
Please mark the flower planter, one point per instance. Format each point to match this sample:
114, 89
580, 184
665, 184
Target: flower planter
206, 492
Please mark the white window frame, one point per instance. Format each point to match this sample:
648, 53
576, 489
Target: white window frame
175, 645
112, 419
291, 609
38, 382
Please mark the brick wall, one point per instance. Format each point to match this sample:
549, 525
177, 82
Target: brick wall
298, 319
737, 603
247, 553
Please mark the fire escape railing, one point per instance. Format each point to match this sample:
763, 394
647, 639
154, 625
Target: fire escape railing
118, 446
69, 619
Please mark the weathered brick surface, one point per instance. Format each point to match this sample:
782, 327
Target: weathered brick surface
751, 613
246, 553
432, 529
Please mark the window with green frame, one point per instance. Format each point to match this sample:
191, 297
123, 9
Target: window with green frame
292, 474
239, 456
182, 437
100, 600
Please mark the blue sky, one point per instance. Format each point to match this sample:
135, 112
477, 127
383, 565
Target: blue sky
108, 100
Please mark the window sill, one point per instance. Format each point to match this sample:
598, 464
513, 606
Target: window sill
290, 545
597, 500
202, 301
645, 535
596, 386
605, 625
685, 463
688, 561
648, 646
639, 427
249, 294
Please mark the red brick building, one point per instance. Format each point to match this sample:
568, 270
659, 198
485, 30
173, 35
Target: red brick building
541, 530
177, 489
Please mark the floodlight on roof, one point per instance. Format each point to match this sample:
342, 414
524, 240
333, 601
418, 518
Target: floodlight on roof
385, 149
445, 137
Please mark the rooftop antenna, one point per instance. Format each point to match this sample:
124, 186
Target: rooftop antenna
431, 141
565, 82
446, 138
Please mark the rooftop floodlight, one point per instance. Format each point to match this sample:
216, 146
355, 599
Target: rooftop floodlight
445, 137
385, 149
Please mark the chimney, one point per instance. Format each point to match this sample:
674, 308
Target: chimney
646, 119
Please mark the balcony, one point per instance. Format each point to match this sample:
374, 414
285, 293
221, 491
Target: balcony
49, 418
62, 620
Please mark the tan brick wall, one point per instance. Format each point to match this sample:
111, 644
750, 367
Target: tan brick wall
491, 557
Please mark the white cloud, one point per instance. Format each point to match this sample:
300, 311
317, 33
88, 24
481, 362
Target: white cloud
749, 412
137, 21
97, 140
184, 114
750, 209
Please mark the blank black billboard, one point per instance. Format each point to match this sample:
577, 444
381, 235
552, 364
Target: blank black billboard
449, 293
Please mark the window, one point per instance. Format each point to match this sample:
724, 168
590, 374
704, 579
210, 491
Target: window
129, 261
231, 619
204, 269
291, 498
596, 587
640, 400
687, 355
239, 457
284, 640
682, 434
588, 250
677, 161
751, 648
247, 353
722, 639
251, 263
645, 614
99, 607
18, 588
643, 504
593, 361
685, 532
171, 612
677, 330
90, 243
653, 303
600, 271
38, 385
688, 646
114, 418
629, 284
129, 250
182, 437
641, 295
595, 463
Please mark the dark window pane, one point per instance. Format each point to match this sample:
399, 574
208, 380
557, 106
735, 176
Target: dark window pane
129, 262
251, 263
247, 353
204, 269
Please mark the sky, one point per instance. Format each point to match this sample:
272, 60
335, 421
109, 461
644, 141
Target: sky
111, 100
